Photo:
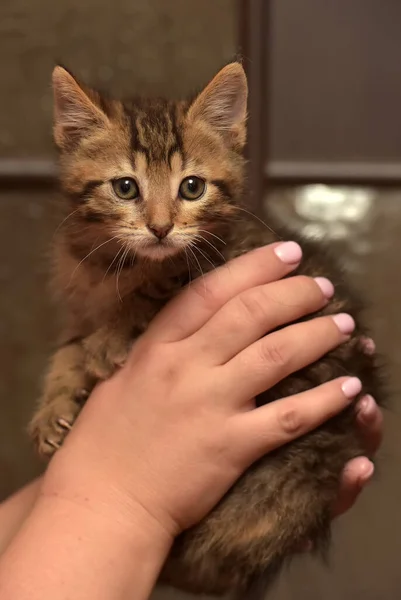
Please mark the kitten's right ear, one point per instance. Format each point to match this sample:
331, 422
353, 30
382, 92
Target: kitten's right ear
76, 111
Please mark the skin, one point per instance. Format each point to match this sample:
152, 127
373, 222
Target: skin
115, 502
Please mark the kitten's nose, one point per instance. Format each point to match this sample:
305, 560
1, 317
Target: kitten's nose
160, 231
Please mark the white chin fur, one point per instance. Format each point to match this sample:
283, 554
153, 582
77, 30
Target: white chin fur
157, 251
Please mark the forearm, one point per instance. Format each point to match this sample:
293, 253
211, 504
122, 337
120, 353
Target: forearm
15, 510
66, 550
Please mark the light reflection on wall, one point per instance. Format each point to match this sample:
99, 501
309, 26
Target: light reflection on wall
323, 211
332, 211
344, 215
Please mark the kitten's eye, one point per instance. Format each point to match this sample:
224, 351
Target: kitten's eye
125, 188
192, 188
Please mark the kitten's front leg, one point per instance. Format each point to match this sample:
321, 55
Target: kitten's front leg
66, 388
107, 349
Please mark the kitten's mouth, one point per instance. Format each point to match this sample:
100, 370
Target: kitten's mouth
159, 249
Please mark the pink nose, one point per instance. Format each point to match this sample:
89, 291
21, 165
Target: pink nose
160, 231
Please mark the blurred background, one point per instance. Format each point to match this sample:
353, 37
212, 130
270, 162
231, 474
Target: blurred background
325, 156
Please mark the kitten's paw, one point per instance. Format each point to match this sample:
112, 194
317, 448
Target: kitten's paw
105, 354
52, 423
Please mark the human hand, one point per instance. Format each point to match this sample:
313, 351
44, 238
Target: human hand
359, 471
173, 430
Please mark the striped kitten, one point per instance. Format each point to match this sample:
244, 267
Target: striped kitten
154, 190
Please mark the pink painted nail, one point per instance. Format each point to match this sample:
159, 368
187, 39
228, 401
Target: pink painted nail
326, 286
367, 407
366, 472
289, 253
351, 387
369, 347
344, 322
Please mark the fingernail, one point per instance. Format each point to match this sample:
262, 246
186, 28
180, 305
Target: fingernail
369, 346
366, 408
326, 286
351, 387
366, 472
289, 253
344, 322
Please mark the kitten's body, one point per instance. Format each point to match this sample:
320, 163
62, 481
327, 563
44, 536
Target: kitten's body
286, 498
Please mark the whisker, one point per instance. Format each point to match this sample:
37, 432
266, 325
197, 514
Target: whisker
117, 275
196, 259
65, 219
119, 270
120, 262
258, 219
198, 263
89, 254
205, 256
189, 269
112, 262
214, 235
212, 246
133, 257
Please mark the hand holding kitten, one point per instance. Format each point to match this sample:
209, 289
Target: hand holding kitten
153, 450
193, 377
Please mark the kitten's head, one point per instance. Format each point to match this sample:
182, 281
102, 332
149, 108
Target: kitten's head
151, 175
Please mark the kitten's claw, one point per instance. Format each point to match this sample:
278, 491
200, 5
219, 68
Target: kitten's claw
52, 423
64, 424
82, 395
52, 444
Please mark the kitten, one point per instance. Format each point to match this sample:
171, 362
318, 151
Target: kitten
154, 189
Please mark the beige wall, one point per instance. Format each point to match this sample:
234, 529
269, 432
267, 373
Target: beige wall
133, 46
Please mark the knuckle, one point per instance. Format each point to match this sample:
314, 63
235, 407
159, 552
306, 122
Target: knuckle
290, 420
307, 291
205, 292
307, 281
155, 354
323, 332
327, 330
273, 355
253, 305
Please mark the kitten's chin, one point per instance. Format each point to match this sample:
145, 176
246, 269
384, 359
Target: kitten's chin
157, 251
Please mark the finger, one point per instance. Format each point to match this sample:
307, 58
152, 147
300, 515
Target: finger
198, 302
255, 312
264, 429
368, 346
370, 423
272, 358
357, 473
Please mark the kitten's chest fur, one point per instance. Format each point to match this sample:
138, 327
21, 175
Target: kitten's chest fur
92, 297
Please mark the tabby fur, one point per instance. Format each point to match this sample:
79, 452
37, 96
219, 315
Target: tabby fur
112, 275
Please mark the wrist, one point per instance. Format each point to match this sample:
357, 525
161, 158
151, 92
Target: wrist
109, 503
124, 483
92, 544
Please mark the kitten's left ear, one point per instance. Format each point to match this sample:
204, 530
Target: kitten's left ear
222, 104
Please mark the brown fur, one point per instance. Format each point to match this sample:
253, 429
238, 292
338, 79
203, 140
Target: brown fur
112, 276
